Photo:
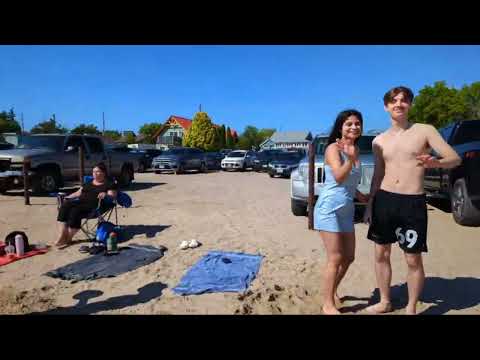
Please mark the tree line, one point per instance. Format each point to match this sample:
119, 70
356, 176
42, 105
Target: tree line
437, 105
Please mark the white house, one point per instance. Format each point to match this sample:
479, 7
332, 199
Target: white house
286, 140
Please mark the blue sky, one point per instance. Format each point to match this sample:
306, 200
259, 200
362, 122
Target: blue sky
282, 87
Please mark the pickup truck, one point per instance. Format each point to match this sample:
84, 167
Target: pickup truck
460, 185
54, 161
299, 176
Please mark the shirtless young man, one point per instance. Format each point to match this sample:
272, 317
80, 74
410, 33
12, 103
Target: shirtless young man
397, 209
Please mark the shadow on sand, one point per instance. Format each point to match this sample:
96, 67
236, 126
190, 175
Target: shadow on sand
442, 295
144, 294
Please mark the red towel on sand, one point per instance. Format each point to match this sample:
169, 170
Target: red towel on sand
7, 259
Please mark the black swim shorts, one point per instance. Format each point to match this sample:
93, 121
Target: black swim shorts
399, 217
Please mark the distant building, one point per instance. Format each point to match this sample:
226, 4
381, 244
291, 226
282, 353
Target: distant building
286, 140
173, 131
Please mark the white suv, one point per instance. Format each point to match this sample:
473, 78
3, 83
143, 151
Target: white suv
238, 160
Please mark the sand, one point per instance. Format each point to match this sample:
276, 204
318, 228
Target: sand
231, 211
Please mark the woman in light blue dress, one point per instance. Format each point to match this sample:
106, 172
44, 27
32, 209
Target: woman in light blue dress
334, 209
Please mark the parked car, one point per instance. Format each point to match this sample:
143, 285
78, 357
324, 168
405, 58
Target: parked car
179, 159
225, 152
299, 176
238, 160
461, 185
284, 164
214, 160
133, 153
146, 157
6, 146
54, 160
264, 158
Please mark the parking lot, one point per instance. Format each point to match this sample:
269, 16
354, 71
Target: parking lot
231, 211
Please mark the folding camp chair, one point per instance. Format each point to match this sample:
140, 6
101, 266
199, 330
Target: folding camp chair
103, 212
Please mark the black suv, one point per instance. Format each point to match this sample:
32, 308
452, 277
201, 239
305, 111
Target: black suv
284, 163
460, 185
179, 159
264, 158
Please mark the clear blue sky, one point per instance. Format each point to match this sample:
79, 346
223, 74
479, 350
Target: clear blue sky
282, 87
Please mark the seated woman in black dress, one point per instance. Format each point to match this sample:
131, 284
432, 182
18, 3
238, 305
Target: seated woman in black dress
71, 213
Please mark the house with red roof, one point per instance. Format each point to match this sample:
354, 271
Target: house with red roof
172, 132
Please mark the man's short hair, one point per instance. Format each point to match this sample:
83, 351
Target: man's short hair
390, 94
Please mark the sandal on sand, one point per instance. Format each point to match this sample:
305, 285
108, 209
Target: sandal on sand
184, 245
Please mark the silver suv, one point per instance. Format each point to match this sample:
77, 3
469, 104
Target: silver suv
238, 160
299, 177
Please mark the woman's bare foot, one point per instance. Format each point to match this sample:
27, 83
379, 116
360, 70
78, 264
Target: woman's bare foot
62, 243
380, 308
330, 310
411, 310
338, 301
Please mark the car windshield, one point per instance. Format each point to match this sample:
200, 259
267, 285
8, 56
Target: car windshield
236, 154
287, 156
364, 143
173, 152
54, 143
468, 131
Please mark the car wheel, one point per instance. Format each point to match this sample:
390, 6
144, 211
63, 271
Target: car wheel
125, 178
271, 175
141, 168
46, 181
203, 168
464, 212
179, 170
299, 208
157, 172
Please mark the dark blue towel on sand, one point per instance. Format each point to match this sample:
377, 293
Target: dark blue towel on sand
99, 266
220, 271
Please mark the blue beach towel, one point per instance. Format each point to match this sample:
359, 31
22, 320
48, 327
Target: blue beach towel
220, 271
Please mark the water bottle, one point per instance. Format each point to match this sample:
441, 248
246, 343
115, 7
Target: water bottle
112, 243
19, 245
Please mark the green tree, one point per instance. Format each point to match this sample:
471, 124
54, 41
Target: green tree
202, 134
438, 105
229, 144
8, 123
48, 127
112, 134
86, 129
130, 138
148, 130
252, 137
221, 137
470, 97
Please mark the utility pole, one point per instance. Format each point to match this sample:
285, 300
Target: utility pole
103, 124
200, 108
23, 126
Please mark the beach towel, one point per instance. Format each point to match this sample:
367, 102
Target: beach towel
7, 259
220, 271
98, 266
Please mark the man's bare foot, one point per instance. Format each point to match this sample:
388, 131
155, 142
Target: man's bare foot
338, 301
330, 310
379, 308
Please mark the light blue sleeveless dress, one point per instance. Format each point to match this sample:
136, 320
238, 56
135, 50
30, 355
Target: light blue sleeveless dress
334, 210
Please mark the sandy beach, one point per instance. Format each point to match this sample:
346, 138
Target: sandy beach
241, 212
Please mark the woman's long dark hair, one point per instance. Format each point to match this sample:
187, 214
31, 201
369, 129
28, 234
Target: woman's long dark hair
341, 118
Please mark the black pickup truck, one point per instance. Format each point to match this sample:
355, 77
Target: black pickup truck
460, 185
